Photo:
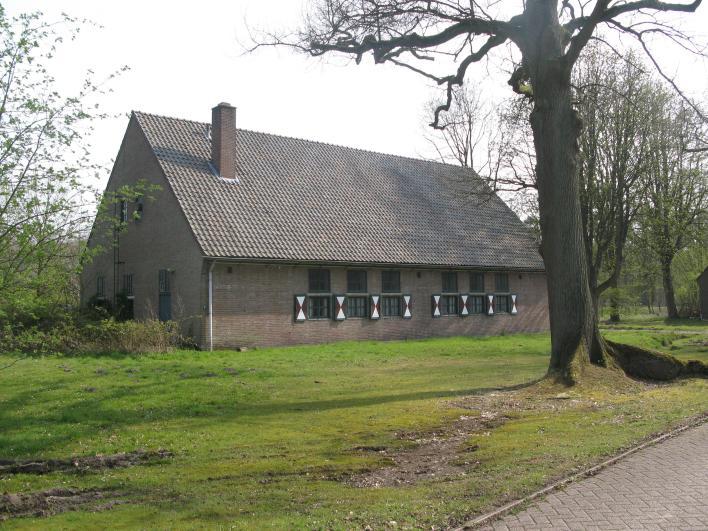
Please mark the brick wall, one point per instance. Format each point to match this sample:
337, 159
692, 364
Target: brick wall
254, 306
160, 240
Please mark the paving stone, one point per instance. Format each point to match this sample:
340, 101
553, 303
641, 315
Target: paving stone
664, 486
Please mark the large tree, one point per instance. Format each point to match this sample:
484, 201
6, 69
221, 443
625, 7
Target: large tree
549, 36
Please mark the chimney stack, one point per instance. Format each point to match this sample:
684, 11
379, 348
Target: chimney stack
223, 139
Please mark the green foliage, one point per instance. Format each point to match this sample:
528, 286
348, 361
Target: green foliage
106, 336
45, 204
622, 297
688, 264
268, 438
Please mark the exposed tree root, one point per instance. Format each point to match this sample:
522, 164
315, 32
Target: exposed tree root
612, 362
652, 365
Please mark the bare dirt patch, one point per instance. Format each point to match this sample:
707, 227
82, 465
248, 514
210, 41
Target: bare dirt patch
438, 455
445, 453
82, 464
54, 501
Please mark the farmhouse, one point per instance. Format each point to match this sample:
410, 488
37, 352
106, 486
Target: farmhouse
253, 239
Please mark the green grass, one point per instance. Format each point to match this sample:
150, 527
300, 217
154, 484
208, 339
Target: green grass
642, 320
269, 446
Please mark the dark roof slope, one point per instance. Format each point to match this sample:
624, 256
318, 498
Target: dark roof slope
298, 200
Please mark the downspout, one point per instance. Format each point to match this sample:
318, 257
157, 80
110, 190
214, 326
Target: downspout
211, 307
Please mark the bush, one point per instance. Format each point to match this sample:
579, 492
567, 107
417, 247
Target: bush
101, 337
130, 337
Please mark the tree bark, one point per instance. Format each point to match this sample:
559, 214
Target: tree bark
614, 302
575, 338
668, 282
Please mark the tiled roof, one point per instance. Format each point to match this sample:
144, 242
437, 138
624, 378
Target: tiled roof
298, 200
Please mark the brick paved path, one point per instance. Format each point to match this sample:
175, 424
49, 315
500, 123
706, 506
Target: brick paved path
661, 487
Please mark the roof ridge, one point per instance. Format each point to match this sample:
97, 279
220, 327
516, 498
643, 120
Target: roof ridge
409, 211
320, 142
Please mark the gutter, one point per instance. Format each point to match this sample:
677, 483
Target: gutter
343, 263
211, 307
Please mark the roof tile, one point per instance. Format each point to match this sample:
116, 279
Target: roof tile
300, 200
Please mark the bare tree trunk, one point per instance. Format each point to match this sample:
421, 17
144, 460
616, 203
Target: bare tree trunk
671, 309
575, 338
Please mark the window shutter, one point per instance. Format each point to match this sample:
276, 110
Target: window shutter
300, 308
340, 306
407, 307
375, 307
514, 311
490, 304
464, 305
436, 305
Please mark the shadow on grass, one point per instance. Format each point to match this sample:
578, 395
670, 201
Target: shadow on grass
29, 436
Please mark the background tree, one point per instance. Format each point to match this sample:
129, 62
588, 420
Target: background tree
464, 130
549, 36
493, 141
675, 211
46, 203
613, 103
687, 265
611, 96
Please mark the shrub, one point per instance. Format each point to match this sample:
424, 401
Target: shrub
101, 337
130, 337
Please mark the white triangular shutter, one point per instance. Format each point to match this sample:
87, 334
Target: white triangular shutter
300, 308
514, 311
436, 305
375, 307
490, 304
339, 308
464, 305
407, 307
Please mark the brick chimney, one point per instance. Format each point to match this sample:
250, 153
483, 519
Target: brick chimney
223, 139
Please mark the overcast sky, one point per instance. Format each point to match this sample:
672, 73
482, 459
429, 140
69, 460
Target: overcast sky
185, 57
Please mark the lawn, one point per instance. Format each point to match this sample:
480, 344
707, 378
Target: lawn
642, 320
281, 438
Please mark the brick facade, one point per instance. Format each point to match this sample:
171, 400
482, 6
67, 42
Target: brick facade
253, 305
160, 240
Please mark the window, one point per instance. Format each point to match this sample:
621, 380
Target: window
356, 281
164, 281
100, 287
448, 305
477, 282
128, 284
449, 282
501, 282
318, 307
391, 282
138, 208
501, 303
357, 306
319, 280
124, 211
476, 303
391, 306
